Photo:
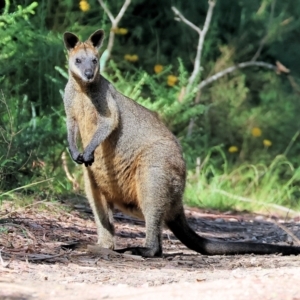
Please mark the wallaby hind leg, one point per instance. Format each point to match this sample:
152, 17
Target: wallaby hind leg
102, 211
152, 196
153, 244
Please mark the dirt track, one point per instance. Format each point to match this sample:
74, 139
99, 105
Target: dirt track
46, 256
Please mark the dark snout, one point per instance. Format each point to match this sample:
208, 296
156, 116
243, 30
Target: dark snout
89, 74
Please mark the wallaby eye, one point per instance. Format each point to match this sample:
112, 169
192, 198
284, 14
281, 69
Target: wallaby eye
78, 60
95, 61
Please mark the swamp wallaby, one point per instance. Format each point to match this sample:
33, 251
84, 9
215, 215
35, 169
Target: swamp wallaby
133, 162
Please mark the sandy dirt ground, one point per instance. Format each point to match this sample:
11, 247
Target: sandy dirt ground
48, 252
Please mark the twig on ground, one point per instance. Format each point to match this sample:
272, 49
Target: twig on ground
289, 232
171, 254
22, 208
121, 217
22, 228
98, 250
3, 264
1, 260
38, 256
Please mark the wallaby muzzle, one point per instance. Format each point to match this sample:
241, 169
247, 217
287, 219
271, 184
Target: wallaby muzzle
89, 73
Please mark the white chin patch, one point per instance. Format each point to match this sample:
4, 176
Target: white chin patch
84, 79
89, 80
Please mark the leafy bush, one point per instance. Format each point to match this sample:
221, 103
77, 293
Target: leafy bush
260, 187
249, 114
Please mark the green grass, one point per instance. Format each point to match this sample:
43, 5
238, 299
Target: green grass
218, 184
3, 230
260, 187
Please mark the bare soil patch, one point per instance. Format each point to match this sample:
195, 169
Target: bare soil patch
45, 254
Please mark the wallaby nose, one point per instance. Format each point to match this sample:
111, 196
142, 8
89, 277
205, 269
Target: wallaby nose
88, 74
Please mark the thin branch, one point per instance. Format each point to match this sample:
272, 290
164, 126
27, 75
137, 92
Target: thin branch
265, 38
6, 7
234, 68
111, 17
122, 11
67, 172
2, 134
186, 21
202, 33
114, 21
197, 63
261, 45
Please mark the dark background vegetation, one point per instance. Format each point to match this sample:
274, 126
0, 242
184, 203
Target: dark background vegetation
33, 62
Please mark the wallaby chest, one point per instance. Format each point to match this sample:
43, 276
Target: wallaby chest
108, 166
86, 116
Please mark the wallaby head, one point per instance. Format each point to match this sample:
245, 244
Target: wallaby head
84, 56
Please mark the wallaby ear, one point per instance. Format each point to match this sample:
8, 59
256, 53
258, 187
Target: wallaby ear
96, 38
70, 40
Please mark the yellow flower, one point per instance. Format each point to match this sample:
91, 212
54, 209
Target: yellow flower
256, 132
84, 5
158, 68
267, 143
172, 80
131, 58
121, 31
233, 149
127, 57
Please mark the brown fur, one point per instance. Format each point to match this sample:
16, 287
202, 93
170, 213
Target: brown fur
132, 160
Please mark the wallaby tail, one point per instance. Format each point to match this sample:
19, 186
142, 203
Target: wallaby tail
189, 238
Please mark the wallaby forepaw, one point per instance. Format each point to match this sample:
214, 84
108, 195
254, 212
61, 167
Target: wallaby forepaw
88, 163
76, 156
88, 159
79, 160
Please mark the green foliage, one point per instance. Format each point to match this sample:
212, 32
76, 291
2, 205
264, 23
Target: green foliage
257, 187
154, 93
8, 157
208, 123
32, 120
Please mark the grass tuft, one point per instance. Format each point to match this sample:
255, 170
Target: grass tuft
249, 187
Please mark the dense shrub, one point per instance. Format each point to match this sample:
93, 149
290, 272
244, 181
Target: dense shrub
250, 114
